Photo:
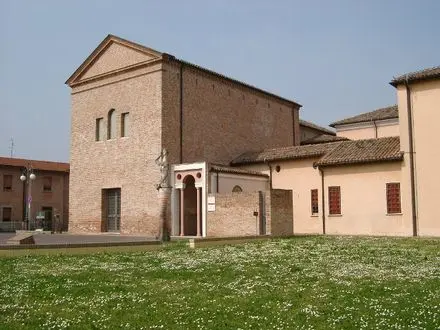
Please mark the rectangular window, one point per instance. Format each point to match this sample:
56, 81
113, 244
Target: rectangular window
7, 214
393, 198
125, 123
47, 183
314, 198
99, 132
334, 200
7, 182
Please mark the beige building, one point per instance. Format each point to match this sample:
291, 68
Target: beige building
418, 99
379, 123
348, 187
48, 193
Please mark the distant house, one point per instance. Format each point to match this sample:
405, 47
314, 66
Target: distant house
49, 193
379, 123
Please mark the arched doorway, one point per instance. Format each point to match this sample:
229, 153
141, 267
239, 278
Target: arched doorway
190, 206
189, 185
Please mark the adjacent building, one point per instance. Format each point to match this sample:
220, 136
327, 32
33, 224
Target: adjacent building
47, 194
379, 123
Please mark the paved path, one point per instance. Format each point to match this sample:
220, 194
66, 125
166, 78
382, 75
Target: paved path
47, 238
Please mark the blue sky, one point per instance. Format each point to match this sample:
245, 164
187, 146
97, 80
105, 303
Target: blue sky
334, 57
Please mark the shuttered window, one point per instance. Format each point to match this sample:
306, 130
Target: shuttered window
314, 200
393, 198
334, 200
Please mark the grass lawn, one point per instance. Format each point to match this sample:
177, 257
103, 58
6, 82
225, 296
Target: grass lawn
299, 283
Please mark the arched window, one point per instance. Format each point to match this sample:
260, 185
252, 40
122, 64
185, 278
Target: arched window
237, 189
111, 124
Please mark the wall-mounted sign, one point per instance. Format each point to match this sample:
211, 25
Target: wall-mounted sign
211, 203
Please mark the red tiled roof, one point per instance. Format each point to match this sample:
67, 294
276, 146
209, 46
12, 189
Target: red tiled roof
35, 164
363, 151
285, 153
390, 112
425, 74
323, 138
331, 154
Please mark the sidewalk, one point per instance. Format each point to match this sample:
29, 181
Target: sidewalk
67, 239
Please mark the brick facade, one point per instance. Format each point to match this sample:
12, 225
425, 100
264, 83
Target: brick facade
196, 116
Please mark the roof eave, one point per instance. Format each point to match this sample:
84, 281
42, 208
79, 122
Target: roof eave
359, 162
197, 67
403, 80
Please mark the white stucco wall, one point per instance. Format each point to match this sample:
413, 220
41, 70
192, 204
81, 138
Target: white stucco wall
227, 181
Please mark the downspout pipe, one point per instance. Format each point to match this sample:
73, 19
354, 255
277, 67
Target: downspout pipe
181, 112
375, 129
270, 172
321, 171
411, 158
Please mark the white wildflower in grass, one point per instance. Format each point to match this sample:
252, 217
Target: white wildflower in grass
299, 283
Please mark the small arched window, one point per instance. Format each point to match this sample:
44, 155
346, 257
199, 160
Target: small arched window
111, 124
237, 189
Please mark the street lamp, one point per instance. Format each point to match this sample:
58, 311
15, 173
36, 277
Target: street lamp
28, 176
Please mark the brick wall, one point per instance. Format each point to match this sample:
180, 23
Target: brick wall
221, 119
281, 212
127, 163
234, 215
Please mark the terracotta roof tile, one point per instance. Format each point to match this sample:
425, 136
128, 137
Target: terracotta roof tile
35, 164
317, 127
286, 153
234, 170
363, 151
379, 114
323, 138
425, 74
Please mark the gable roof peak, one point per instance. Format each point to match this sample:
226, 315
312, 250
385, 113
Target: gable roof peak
102, 47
